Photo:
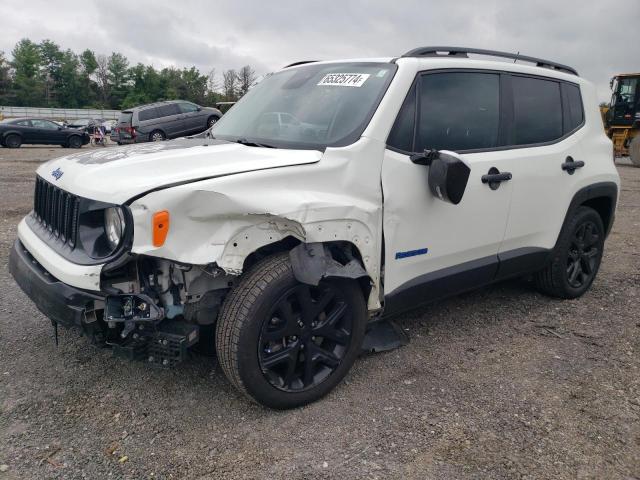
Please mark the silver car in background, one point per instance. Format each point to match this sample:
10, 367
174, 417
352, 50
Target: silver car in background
163, 120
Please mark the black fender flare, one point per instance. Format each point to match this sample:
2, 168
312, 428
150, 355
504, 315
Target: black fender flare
590, 192
311, 262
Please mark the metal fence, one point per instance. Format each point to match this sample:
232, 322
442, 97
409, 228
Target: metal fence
58, 113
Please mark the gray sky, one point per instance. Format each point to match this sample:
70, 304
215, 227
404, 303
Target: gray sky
598, 38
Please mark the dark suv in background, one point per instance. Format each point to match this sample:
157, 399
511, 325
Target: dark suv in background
162, 120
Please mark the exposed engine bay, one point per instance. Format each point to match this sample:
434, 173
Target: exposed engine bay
156, 309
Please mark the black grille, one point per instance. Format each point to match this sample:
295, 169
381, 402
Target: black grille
56, 210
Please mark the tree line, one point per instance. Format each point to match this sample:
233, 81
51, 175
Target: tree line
44, 75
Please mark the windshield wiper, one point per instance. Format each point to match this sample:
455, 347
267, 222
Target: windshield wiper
244, 141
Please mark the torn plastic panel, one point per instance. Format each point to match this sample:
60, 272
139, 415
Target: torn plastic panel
311, 262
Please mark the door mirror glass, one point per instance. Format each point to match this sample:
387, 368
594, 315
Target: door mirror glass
448, 176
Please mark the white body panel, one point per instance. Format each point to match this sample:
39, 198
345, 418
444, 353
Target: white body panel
452, 234
117, 174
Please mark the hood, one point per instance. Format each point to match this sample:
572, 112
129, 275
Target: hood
116, 174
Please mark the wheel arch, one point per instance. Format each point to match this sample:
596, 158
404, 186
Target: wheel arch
12, 132
314, 261
602, 197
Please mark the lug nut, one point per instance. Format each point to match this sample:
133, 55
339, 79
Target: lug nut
165, 362
151, 359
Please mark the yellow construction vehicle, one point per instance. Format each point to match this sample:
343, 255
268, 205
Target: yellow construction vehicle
622, 116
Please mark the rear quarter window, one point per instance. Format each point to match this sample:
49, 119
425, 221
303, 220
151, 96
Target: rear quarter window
125, 117
575, 110
537, 110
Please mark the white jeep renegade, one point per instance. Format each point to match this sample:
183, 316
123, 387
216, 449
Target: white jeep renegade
333, 195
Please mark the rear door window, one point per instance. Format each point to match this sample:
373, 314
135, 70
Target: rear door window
537, 110
147, 114
46, 124
167, 110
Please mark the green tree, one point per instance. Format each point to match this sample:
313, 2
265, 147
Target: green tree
118, 67
28, 83
5, 81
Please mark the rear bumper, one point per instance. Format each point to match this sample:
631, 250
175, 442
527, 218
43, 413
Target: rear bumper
60, 302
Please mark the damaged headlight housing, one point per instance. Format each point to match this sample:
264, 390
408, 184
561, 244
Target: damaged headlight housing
114, 226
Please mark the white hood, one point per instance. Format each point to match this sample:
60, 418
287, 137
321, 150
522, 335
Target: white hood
119, 173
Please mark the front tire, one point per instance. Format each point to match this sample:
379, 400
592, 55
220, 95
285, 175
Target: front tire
74, 142
576, 258
212, 121
283, 343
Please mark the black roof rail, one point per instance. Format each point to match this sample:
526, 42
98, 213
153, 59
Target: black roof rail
295, 64
463, 52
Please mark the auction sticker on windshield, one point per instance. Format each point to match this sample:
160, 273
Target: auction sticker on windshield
344, 79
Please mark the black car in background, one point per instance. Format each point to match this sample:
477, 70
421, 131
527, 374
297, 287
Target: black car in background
16, 131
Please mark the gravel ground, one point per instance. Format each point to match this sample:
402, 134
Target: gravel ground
499, 383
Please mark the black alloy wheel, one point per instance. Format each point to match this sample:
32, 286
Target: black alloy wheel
305, 336
584, 254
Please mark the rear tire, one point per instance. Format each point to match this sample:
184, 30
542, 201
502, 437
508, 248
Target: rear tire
12, 141
576, 258
74, 142
157, 136
634, 150
283, 343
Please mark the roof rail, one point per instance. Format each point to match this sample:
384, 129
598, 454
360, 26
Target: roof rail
463, 52
295, 64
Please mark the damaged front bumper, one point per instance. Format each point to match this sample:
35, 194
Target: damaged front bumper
147, 336
60, 302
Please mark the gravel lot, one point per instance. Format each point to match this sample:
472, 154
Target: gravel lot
498, 383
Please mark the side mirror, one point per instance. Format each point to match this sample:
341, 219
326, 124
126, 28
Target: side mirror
448, 174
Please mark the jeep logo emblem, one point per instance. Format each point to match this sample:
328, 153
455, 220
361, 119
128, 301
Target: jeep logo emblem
57, 173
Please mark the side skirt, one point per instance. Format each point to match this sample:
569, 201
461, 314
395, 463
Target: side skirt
463, 277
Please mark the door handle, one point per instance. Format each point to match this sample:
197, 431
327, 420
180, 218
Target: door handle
570, 165
494, 177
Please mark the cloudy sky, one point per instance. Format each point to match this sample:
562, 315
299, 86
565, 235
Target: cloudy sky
598, 38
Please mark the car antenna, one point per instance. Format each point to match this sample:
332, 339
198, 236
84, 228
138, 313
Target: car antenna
516, 58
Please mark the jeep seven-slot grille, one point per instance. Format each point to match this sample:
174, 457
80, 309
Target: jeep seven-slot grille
56, 210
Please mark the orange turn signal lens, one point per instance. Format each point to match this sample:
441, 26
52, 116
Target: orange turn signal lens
160, 227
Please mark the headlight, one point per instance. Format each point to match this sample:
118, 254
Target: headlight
114, 226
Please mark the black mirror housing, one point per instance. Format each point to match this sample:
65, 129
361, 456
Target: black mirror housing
448, 176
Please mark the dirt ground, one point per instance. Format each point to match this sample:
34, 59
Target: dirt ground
499, 383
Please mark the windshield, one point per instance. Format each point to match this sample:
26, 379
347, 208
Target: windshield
313, 106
